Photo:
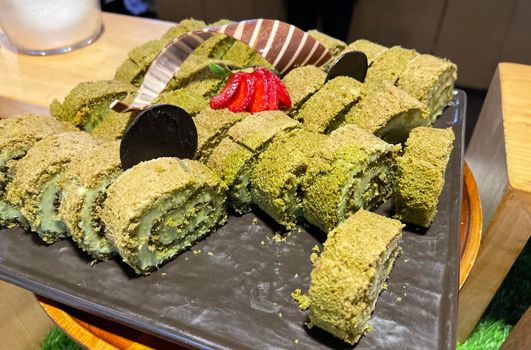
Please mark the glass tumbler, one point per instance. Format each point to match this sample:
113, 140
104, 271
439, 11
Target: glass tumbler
42, 27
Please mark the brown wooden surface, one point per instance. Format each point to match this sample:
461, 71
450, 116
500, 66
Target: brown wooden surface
23, 324
499, 155
520, 336
39, 79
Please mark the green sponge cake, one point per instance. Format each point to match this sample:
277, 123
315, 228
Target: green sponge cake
233, 163
351, 272
389, 65
83, 186
88, 103
212, 127
335, 46
431, 80
353, 169
370, 49
34, 187
276, 179
149, 222
388, 112
303, 82
17, 135
257, 130
421, 174
185, 99
183, 27
326, 109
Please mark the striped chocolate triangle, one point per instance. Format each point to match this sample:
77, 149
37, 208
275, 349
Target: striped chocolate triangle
281, 44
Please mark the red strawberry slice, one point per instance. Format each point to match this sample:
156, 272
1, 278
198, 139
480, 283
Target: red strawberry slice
272, 103
243, 95
223, 99
284, 100
260, 98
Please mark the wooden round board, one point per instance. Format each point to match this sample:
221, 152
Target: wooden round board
97, 333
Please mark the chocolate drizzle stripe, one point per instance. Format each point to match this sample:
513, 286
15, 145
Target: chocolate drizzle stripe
284, 46
281, 44
256, 31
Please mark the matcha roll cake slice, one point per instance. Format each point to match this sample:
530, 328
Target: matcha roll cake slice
84, 186
421, 174
88, 103
302, 83
431, 80
388, 112
186, 99
276, 179
370, 49
34, 188
326, 109
351, 272
257, 130
212, 127
353, 169
233, 163
389, 65
17, 135
159, 208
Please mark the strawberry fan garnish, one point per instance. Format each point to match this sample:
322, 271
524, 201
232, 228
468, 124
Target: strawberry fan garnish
255, 91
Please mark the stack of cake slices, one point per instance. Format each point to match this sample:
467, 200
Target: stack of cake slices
326, 161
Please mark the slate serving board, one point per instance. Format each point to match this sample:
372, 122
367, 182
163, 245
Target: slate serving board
238, 296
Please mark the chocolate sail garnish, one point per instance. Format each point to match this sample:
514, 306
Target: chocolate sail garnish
281, 44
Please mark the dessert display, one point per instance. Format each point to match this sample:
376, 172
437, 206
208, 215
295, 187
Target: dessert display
351, 272
17, 135
84, 186
273, 132
149, 222
421, 174
34, 188
353, 169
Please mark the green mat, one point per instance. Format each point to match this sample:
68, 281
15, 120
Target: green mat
508, 305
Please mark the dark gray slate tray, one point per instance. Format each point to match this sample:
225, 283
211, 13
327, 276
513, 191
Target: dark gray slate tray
239, 297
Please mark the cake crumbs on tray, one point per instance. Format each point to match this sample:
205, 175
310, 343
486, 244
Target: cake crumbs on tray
314, 257
255, 221
210, 253
316, 248
296, 275
163, 274
196, 251
399, 299
302, 299
406, 260
277, 237
185, 258
280, 314
262, 243
296, 341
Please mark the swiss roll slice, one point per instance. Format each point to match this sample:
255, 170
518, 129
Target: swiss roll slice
351, 272
34, 188
84, 186
159, 208
17, 135
430, 79
276, 179
302, 82
353, 169
87, 104
370, 49
212, 127
421, 172
389, 65
388, 112
326, 109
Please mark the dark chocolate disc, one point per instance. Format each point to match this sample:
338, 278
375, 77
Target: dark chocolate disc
158, 131
350, 64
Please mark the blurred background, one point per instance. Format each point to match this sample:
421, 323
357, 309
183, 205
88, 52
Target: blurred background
475, 34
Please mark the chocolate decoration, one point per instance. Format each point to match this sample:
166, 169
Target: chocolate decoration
350, 64
281, 44
158, 131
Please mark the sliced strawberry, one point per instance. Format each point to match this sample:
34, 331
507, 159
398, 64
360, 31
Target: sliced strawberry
272, 103
243, 95
223, 99
260, 98
284, 100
